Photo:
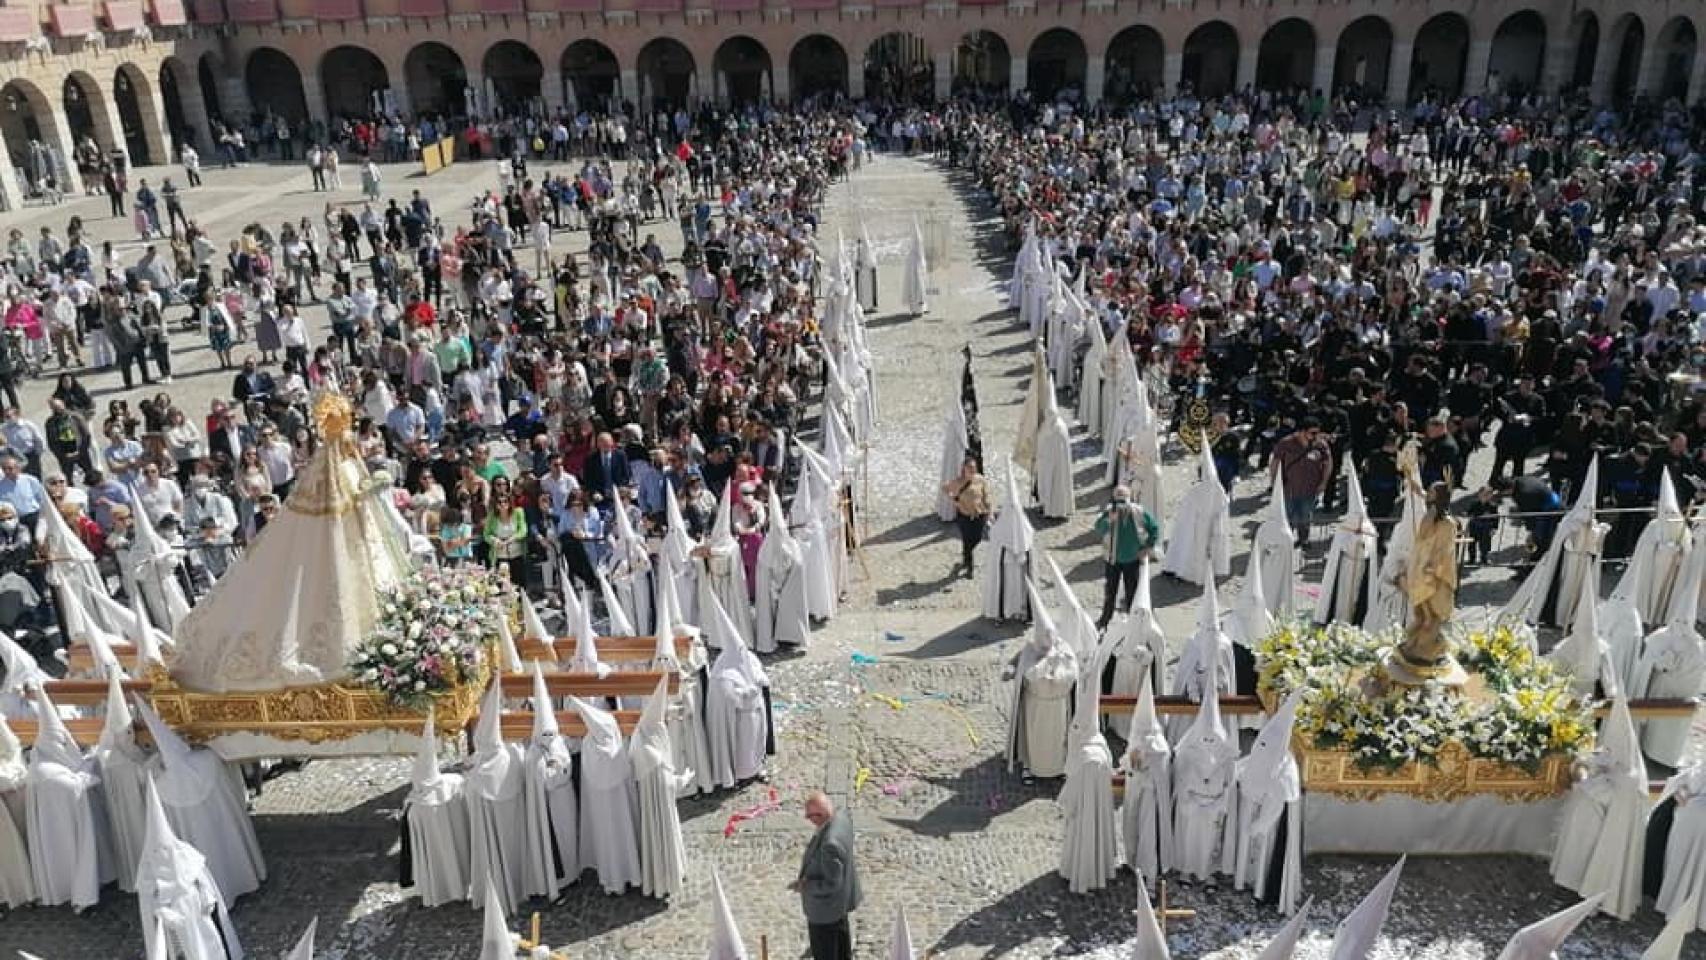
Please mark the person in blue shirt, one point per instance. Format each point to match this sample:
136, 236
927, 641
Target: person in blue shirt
23, 491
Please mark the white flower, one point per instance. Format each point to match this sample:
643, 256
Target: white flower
389, 650
420, 685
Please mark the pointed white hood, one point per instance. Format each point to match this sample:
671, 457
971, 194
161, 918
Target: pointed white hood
1582, 651
21, 669
182, 781
489, 770
1356, 511
1269, 775
725, 936
573, 605
506, 645
620, 625
722, 536
586, 658
143, 636
1284, 942
13, 769
1151, 943
1044, 635
1617, 737
735, 654
650, 745
630, 546
117, 729
677, 542
900, 938
1668, 944
496, 942
54, 743
304, 949
544, 711
1540, 940
169, 868
1207, 732
663, 655
776, 527
1011, 529
1358, 932
1146, 734
1276, 507
1208, 609
604, 755
532, 626
1081, 628
426, 781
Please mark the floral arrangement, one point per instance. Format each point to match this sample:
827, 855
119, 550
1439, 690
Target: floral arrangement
432, 635
1526, 713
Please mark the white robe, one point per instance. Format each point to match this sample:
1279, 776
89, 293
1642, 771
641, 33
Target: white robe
1199, 546
1054, 468
722, 574
1091, 377
437, 821
738, 724
1553, 587
1672, 665
1602, 836
954, 446
70, 850
184, 913
1275, 561
17, 883
780, 606
865, 276
1042, 707
1002, 581
553, 817
1350, 576
913, 288
609, 840
124, 779
1684, 883
494, 791
663, 853
1146, 812
1089, 855
204, 801
1204, 802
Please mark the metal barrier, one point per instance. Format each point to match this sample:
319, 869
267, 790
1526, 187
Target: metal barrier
1512, 528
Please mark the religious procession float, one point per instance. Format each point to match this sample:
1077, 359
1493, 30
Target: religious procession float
327, 640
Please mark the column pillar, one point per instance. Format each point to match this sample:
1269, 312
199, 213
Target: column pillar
1604, 67
1017, 71
1652, 66
1095, 77
1696, 79
155, 133
1326, 61
1475, 73
551, 91
855, 80
11, 189
945, 74
1245, 77
195, 117
109, 129
628, 85
1172, 69
781, 85
315, 98
1558, 66
705, 84
1398, 73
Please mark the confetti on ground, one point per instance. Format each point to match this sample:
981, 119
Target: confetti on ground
860, 778
892, 637
772, 804
863, 660
894, 703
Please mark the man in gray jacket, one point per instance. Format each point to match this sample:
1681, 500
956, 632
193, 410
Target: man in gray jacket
828, 883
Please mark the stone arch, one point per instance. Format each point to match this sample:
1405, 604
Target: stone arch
1517, 58
86, 113
1210, 59
982, 63
592, 76
743, 70
1056, 63
898, 67
207, 79
34, 141
1585, 29
816, 66
514, 78
275, 85
436, 80
185, 116
349, 78
1630, 36
1440, 58
1677, 47
139, 116
1285, 59
1134, 63
667, 72
1363, 60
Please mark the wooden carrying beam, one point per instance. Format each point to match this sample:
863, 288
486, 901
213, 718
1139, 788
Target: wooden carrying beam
638, 683
81, 659
517, 725
610, 649
1654, 787
88, 693
1239, 705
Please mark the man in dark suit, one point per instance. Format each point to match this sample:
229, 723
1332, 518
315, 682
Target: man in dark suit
251, 383
828, 883
605, 470
227, 441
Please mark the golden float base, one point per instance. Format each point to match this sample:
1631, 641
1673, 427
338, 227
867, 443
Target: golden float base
312, 715
1454, 775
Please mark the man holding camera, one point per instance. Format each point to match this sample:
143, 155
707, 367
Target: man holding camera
1129, 534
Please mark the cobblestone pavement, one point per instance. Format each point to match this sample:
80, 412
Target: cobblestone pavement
910, 731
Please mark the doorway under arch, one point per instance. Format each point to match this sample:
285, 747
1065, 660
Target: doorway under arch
898, 67
1440, 57
436, 80
1056, 65
742, 67
817, 66
666, 71
1210, 62
136, 117
1135, 58
982, 63
275, 85
353, 81
1285, 59
590, 74
1518, 56
1363, 60
514, 78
